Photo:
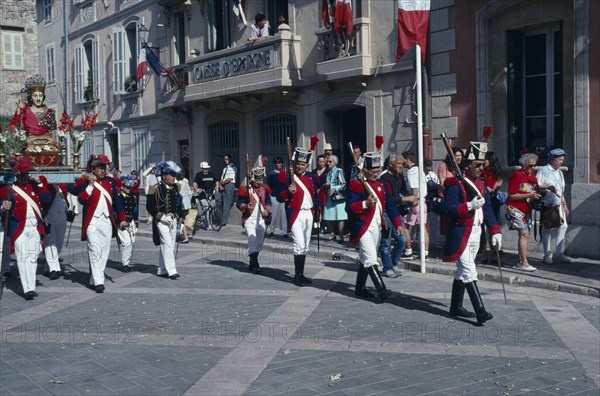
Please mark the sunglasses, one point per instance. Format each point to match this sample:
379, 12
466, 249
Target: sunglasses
478, 165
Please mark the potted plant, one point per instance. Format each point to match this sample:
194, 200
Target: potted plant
130, 84
88, 92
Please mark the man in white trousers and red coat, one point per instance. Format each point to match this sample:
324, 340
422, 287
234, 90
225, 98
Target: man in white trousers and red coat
103, 215
301, 202
26, 224
466, 212
165, 204
366, 204
255, 205
56, 218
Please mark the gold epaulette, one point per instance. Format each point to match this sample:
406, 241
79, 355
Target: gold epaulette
152, 189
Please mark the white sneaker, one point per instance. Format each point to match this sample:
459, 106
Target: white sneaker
548, 259
526, 268
407, 253
561, 258
390, 274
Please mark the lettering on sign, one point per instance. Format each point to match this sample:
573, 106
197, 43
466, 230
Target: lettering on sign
235, 65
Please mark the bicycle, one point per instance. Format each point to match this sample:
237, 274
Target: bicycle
210, 214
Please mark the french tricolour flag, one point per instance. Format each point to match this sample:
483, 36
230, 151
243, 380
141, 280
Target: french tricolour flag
413, 23
142, 66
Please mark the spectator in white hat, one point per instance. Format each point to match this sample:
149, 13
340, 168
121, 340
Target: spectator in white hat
551, 179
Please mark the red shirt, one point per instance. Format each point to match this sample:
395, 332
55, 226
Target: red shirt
521, 183
489, 179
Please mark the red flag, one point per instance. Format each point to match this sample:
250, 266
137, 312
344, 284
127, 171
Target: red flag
343, 17
142, 66
413, 23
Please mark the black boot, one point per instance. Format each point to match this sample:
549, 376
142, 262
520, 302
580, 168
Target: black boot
298, 267
456, 301
382, 291
305, 280
360, 289
254, 266
482, 315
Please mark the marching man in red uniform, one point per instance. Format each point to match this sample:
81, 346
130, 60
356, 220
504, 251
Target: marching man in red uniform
366, 203
466, 213
26, 226
255, 205
301, 199
102, 208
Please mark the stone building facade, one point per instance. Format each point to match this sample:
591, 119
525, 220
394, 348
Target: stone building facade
18, 50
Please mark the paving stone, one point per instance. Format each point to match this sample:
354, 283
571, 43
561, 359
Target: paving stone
151, 336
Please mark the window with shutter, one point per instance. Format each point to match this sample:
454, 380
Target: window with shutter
79, 81
118, 61
50, 70
12, 48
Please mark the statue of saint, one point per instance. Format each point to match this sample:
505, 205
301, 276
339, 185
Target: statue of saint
39, 122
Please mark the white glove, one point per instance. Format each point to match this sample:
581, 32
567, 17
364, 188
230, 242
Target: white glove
475, 203
497, 241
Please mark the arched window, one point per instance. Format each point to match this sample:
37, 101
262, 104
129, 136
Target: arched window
126, 47
87, 74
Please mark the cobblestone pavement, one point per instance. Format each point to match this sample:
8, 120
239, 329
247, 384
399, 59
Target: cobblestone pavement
220, 330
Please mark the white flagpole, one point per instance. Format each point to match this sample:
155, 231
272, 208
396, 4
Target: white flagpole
422, 192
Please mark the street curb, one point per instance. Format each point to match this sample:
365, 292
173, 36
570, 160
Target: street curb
510, 278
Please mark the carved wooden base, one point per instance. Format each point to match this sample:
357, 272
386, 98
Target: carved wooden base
42, 150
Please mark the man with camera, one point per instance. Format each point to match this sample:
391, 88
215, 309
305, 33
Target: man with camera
403, 201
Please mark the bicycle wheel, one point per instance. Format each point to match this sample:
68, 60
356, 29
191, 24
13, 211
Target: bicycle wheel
216, 218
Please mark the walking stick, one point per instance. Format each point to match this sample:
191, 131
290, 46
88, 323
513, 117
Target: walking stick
501, 277
69, 233
177, 241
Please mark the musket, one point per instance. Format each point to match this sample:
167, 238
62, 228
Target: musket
248, 187
457, 171
363, 180
474, 191
289, 153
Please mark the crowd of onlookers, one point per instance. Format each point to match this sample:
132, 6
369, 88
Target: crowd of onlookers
525, 192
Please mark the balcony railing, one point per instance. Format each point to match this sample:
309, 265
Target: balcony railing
334, 46
345, 56
238, 71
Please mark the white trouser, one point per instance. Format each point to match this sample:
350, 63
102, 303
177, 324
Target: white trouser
555, 234
369, 245
255, 229
168, 235
54, 242
465, 266
99, 234
127, 238
27, 248
278, 214
301, 230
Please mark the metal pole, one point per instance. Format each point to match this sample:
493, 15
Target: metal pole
422, 213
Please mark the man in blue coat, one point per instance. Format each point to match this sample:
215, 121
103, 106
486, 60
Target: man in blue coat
466, 212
